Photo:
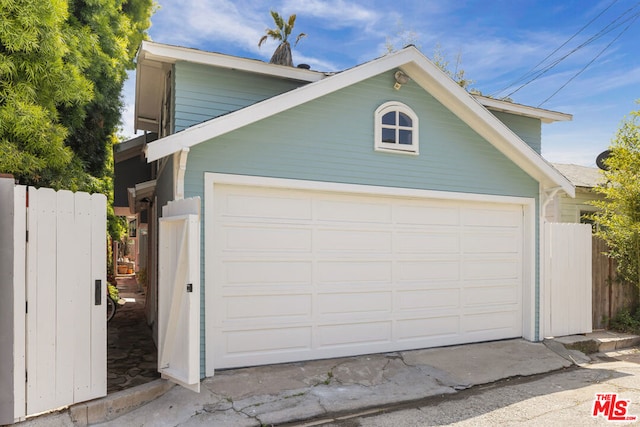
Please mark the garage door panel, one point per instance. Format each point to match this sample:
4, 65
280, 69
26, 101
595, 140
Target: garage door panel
428, 328
302, 275
268, 307
490, 322
418, 214
483, 269
266, 273
428, 299
425, 242
251, 205
488, 295
269, 239
336, 305
432, 269
353, 272
355, 334
493, 217
357, 211
347, 240
264, 340
491, 241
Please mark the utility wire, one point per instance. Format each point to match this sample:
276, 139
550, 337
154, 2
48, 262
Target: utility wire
607, 29
591, 62
601, 33
525, 75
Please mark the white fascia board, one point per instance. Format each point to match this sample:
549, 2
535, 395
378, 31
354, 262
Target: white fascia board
422, 71
172, 54
546, 116
219, 126
469, 110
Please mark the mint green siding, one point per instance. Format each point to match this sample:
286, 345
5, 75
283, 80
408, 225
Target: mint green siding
527, 128
331, 139
203, 92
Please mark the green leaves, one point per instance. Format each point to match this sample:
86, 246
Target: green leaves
619, 213
281, 33
62, 67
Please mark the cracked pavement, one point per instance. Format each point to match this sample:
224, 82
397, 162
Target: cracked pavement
295, 392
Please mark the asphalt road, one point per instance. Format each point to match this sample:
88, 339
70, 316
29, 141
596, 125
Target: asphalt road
563, 398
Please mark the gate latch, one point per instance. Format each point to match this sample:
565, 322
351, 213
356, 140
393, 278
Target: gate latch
189, 287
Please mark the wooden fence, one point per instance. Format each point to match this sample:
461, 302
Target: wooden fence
609, 294
53, 344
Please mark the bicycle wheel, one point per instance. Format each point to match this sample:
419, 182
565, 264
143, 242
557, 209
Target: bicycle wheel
111, 308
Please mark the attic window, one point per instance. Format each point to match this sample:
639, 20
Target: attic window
396, 128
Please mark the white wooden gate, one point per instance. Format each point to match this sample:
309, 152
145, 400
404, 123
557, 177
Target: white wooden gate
60, 283
179, 293
567, 284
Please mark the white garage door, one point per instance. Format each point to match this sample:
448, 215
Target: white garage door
299, 274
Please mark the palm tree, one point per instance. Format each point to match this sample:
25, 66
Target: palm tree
282, 54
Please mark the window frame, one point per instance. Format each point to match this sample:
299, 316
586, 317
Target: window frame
396, 147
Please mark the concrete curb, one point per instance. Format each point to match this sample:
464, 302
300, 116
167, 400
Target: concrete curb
598, 342
116, 404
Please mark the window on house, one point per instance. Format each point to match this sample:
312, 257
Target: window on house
396, 128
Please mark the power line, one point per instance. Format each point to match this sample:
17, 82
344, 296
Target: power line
607, 29
525, 75
590, 62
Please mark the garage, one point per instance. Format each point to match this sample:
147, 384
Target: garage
299, 270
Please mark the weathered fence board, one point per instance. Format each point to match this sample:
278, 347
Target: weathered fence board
609, 294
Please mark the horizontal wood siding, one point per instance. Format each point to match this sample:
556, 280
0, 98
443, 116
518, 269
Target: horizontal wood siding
331, 139
527, 128
202, 92
164, 183
570, 208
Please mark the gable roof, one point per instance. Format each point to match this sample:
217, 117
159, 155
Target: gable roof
581, 176
420, 70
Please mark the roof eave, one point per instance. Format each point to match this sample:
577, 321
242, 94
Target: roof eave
422, 71
546, 116
171, 54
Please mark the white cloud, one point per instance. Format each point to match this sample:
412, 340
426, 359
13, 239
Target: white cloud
336, 13
195, 23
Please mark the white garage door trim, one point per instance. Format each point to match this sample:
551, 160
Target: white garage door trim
528, 254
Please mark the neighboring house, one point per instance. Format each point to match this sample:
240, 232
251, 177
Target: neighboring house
574, 209
341, 215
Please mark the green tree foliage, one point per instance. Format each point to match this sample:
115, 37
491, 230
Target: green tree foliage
39, 74
63, 64
619, 213
281, 33
110, 32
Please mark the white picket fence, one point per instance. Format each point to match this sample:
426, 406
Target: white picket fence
58, 304
567, 308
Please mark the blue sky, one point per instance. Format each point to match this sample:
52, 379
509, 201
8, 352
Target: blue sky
498, 41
